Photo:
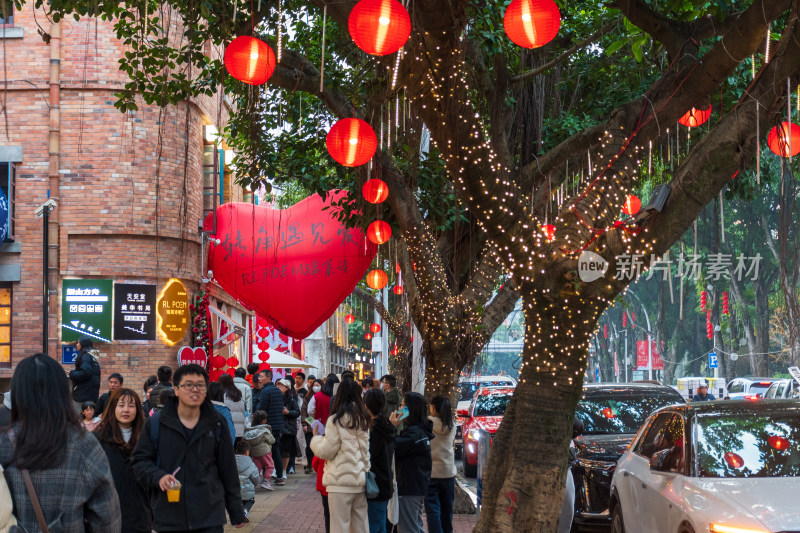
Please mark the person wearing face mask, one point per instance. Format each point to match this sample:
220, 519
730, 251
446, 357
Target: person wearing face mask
118, 433
314, 387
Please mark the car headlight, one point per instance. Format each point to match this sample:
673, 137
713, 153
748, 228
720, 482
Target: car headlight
473, 434
719, 528
596, 465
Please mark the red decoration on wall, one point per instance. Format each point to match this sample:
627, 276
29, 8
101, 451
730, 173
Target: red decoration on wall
349, 319
375, 191
379, 27
374, 327
784, 140
351, 142
293, 266
250, 60
632, 205
379, 232
532, 23
695, 117
377, 279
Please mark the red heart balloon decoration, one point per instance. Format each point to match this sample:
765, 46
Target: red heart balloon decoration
293, 266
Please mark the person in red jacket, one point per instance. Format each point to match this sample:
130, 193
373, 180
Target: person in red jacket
319, 467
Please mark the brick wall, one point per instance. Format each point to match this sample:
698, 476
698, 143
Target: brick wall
130, 186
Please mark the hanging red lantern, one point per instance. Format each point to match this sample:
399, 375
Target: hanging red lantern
397, 268
264, 366
379, 27
605, 331
250, 60
394, 350
374, 327
633, 319
349, 319
263, 356
368, 336
532, 23
263, 345
695, 117
377, 279
624, 319
233, 361
398, 289
262, 323
214, 375
549, 231
725, 303
703, 300
784, 140
263, 332
217, 361
351, 142
709, 326
379, 232
375, 191
632, 205
231, 372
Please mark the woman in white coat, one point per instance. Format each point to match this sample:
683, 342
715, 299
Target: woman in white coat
345, 449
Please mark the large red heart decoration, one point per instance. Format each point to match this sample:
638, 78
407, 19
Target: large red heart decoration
293, 266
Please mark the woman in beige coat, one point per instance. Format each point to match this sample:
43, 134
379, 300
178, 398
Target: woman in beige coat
345, 448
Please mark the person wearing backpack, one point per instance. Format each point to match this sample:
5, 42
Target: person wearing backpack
86, 375
187, 447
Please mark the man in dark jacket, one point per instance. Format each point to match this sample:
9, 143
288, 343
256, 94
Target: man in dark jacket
393, 395
86, 375
271, 402
164, 374
115, 381
193, 448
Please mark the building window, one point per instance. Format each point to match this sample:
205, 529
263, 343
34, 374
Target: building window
5, 326
8, 19
7, 184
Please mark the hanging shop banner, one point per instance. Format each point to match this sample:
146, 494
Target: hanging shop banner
642, 356
86, 309
172, 311
134, 312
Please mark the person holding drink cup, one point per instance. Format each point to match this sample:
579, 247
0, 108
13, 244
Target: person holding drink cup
185, 454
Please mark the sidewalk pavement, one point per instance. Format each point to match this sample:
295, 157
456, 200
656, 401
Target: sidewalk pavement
297, 507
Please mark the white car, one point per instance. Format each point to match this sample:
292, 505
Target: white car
712, 467
748, 388
783, 388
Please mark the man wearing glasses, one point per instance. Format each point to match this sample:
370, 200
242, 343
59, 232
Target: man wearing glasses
185, 455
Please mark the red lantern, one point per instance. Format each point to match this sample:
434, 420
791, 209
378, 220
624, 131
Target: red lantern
263, 345
375, 191
379, 27
398, 289
532, 23
375, 328
785, 141
549, 231
351, 142
605, 331
624, 319
703, 300
233, 361
633, 319
695, 117
217, 361
263, 332
725, 303
264, 366
231, 372
368, 336
262, 323
379, 232
394, 350
349, 319
263, 356
377, 279
214, 375
250, 60
632, 205
397, 268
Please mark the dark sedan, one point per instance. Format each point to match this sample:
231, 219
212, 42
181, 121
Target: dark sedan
611, 414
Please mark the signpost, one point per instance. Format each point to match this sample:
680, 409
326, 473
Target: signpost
713, 362
86, 309
69, 354
134, 312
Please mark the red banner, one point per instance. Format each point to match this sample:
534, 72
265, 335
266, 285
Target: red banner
642, 356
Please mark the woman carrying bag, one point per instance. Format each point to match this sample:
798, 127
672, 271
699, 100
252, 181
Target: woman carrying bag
413, 462
441, 491
344, 447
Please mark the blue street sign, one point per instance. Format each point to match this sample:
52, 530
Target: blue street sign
712, 360
69, 354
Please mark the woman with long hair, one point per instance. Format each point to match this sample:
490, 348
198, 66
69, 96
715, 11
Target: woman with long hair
291, 412
441, 490
320, 405
413, 462
344, 447
235, 403
48, 443
382, 435
118, 434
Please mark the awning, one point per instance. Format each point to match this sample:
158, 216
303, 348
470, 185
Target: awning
281, 360
228, 331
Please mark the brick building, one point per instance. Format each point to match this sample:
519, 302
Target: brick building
130, 191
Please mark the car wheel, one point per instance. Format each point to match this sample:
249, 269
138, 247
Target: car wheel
686, 528
617, 524
469, 470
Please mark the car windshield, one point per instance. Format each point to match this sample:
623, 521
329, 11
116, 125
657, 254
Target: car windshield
491, 405
469, 389
760, 387
748, 445
620, 412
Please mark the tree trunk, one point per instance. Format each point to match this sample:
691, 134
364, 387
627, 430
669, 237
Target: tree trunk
526, 482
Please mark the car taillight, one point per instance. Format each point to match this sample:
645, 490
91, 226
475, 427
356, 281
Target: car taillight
734, 460
608, 413
778, 443
765, 384
751, 397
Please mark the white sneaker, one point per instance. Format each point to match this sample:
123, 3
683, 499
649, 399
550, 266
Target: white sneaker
266, 485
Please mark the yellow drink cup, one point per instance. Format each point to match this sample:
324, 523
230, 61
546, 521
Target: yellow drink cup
174, 493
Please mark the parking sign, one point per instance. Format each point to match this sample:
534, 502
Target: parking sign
712, 360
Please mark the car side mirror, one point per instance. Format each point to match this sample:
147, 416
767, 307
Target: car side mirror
662, 460
463, 413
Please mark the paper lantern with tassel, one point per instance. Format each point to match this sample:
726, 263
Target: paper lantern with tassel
377, 279
349, 319
379, 27
632, 205
784, 140
375, 191
351, 142
379, 232
374, 327
250, 60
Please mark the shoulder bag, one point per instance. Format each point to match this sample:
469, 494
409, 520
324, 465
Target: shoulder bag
393, 508
26, 477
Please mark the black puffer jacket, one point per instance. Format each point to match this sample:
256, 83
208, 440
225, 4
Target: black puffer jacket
271, 401
413, 459
381, 449
86, 377
208, 470
292, 405
133, 498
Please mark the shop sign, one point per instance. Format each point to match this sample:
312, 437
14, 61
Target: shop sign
86, 309
192, 356
134, 312
172, 311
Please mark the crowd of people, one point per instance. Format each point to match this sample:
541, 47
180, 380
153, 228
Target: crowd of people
194, 453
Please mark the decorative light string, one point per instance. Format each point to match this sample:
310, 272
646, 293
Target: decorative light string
322, 61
